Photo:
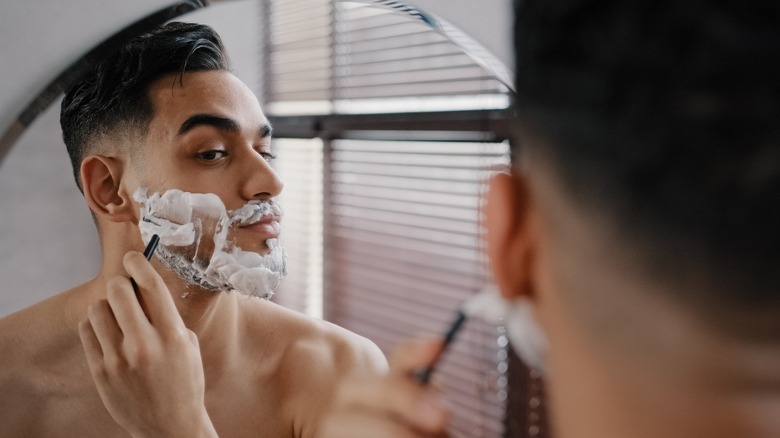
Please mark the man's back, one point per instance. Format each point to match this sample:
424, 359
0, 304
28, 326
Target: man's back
269, 374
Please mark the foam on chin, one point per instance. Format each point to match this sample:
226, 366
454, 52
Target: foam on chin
183, 220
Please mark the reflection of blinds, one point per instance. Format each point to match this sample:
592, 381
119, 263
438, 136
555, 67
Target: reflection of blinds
404, 251
300, 167
401, 247
383, 53
299, 56
526, 401
328, 55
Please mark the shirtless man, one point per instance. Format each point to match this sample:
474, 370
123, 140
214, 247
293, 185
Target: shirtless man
163, 114
637, 240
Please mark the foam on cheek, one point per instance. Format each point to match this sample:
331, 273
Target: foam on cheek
170, 215
487, 305
179, 218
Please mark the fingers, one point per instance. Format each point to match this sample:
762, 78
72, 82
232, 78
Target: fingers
159, 303
91, 347
414, 355
105, 329
126, 308
194, 340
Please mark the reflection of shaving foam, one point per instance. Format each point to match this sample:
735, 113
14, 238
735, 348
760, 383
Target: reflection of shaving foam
487, 305
183, 219
525, 334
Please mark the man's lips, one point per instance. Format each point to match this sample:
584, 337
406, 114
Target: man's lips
267, 226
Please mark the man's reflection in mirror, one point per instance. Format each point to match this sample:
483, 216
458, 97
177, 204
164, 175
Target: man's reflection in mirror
165, 119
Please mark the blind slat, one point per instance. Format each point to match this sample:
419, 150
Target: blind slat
401, 223
420, 172
381, 253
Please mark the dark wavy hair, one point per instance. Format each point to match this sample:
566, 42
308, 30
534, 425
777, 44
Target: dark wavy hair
113, 99
665, 114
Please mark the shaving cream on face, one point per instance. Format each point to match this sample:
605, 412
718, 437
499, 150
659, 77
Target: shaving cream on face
193, 230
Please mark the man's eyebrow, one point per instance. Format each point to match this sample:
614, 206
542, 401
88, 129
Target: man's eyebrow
219, 122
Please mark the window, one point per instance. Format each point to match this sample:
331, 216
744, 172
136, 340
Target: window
300, 167
400, 126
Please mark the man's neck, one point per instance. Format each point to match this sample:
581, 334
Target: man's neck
212, 315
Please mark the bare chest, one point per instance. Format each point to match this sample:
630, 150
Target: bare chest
54, 409
243, 408
72, 407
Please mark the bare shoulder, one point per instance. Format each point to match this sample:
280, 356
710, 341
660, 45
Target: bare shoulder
36, 351
36, 338
17, 383
325, 347
315, 356
21, 335
339, 350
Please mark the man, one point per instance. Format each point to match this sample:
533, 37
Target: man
640, 228
165, 114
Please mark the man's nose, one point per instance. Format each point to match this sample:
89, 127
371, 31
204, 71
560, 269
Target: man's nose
260, 179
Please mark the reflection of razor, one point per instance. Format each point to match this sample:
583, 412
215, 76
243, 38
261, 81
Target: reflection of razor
487, 306
424, 375
148, 254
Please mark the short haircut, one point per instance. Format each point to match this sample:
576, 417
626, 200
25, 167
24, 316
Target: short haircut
665, 114
113, 98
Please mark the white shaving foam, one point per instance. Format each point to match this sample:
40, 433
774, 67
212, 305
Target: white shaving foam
525, 334
487, 305
183, 220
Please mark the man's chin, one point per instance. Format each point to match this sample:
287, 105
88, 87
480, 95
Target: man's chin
188, 270
253, 268
261, 249
250, 242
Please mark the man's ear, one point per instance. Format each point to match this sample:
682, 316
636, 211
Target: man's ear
509, 236
101, 178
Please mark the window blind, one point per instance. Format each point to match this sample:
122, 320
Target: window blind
298, 55
300, 165
350, 56
400, 242
381, 53
405, 248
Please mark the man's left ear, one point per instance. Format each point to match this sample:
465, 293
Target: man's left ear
511, 244
107, 197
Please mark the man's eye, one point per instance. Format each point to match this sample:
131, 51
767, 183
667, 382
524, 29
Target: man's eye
267, 156
212, 155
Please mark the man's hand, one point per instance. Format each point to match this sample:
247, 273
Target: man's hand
393, 405
146, 365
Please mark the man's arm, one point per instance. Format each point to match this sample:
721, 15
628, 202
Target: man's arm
146, 366
393, 405
316, 372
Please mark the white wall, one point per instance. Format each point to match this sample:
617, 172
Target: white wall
48, 238
489, 22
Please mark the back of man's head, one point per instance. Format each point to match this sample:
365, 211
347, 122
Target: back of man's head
112, 101
664, 115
